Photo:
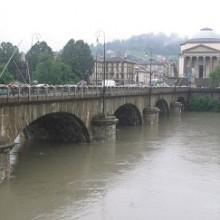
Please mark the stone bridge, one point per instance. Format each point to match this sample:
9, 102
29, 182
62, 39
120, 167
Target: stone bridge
71, 115
74, 114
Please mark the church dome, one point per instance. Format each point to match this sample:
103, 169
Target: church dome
204, 35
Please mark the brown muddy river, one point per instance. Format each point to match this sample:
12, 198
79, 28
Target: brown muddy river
166, 172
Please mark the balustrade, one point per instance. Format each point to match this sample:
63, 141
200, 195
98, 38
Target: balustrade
33, 93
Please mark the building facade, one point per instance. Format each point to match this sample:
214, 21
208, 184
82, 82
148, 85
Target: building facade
116, 68
126, 72
199, 55
142, 75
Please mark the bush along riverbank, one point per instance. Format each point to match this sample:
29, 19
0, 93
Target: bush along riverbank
204, 104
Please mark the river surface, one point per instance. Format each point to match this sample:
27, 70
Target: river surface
166, 172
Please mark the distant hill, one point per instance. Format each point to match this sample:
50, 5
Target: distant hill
140, 45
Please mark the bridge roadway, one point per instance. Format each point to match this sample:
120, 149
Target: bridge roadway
75, 114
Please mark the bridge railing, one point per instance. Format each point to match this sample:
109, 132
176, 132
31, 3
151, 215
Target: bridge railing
11, 94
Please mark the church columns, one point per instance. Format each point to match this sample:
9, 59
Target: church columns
184, 66
181, 66
199, 66
210, 64
218, 60
196, 66
204, 66
189, 68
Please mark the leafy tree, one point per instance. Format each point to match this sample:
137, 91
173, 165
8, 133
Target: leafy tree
78, 56
38, 53
204, 103
53, 72
6, 77
6, 51
214, 77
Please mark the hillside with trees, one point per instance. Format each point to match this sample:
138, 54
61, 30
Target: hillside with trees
141, 45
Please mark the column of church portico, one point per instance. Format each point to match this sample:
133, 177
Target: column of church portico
193, 69
218, 60
190, 64
184, 66
214, 62
204, 66
196, 74
189, 69
210, 64
181, 66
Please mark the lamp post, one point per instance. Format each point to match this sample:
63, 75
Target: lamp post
96, 60
150, 77
150, 67
104, 72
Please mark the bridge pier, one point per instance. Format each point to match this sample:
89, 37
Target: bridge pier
5, 162
151, 115
177, 108
104, 128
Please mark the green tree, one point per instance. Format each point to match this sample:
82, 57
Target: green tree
78, 56
7, 77
53, 72
6, 51
38, 53
214, 77
204, 103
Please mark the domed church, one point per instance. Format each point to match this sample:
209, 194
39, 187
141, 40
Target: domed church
199, 55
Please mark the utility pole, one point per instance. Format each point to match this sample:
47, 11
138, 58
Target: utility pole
96, 60
150, 76
104, 72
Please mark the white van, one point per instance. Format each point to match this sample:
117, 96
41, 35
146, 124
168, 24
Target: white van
109, 82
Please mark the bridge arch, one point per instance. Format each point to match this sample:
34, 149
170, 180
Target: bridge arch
128, 115
59, 126
163, 106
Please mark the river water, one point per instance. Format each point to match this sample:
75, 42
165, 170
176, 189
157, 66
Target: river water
166, 172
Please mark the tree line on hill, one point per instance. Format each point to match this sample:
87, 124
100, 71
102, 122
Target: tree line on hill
73, 63
141, 45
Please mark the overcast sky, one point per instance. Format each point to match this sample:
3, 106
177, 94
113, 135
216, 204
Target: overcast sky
22, 22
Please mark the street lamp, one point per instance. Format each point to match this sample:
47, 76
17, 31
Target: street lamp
150, 66
103, 89
150, 76
96, 60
